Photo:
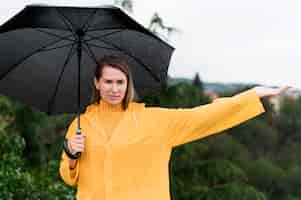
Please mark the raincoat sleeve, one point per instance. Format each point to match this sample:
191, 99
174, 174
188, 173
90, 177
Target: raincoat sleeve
186, 125
69, 176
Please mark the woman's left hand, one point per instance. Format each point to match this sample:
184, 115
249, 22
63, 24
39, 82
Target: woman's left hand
269, 92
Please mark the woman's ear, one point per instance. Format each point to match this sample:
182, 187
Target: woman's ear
96, 83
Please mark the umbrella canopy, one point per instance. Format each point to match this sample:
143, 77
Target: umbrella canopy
49, 54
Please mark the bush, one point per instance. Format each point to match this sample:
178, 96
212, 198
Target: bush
233, 191
18, 182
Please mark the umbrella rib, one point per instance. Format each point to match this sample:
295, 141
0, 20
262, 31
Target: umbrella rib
105, 35
86, 25
55, 35
132, 56
66, 21
103, 29
59, 47
14, 66
102, 47
89, 52
70, 54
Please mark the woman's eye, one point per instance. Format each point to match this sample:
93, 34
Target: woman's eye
108, 81
120, 81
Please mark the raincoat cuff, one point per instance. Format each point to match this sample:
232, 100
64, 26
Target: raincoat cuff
253, 99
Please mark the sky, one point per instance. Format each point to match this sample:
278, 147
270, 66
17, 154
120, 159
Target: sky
233, 41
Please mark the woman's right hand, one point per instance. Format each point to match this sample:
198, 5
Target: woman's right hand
76, 143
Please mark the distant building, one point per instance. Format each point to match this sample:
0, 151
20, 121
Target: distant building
211, 94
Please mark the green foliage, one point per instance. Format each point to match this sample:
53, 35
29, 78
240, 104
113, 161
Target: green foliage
218, 172
260, 138
18, 177
293, 180
289, 121
26, 122
6, 106
267, 177
51, 187
16, 182
289, 125
182, 95
233, 191
225, 146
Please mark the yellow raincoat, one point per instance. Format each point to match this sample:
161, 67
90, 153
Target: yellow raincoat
127, 153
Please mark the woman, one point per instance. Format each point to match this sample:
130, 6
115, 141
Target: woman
125, 147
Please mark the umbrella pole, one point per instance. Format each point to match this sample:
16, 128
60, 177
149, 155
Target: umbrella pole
80, 34
79, 57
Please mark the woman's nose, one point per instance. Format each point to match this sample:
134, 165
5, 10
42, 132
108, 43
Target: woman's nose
114, 88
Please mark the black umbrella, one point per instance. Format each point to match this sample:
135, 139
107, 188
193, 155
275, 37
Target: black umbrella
48, 55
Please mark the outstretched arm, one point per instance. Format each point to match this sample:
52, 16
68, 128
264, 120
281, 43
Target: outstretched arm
186, 125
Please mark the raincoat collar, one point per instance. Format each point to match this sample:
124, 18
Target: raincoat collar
103, 106
107, 107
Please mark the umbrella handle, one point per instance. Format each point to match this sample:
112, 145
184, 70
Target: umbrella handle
78, 132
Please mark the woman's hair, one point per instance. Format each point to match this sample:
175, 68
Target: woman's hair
120, 64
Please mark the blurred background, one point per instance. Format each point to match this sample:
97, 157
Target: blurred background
222, 48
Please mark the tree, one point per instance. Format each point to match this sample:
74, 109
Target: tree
289, 122
197, 81
182, 94
239, 191
16, 182
260, 138
267, 177
125, 4
157, 26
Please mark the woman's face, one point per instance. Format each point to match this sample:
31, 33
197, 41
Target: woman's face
112, 85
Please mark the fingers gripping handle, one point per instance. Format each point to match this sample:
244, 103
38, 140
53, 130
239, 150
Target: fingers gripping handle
78, 132
67, 150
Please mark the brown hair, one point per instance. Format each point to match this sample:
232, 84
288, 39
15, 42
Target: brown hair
120, 64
